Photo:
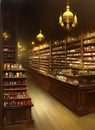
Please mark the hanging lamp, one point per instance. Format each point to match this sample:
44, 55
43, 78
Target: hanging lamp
40, 36
67, 19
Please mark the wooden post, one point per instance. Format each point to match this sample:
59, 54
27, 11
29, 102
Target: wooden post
1, 66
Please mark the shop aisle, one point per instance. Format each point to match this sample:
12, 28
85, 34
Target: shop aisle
50, 114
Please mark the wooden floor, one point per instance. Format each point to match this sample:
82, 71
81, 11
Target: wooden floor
50, 114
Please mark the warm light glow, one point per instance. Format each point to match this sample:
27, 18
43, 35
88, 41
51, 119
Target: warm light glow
23, 49
6, 36
68, 19
32, 43
40, 36
56, 42
19, 45
35, 48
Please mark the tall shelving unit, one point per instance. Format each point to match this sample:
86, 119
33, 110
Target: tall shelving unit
58, 56
80, 53
44, 58
39, 58
39, 62
89, 54
17, 103
73, 54
34, 59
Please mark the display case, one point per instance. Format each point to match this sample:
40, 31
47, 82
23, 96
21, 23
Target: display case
17, 102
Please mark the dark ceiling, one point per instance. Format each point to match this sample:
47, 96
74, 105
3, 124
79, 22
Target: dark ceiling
35, 14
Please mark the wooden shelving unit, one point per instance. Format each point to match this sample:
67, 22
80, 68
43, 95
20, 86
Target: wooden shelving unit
16, 103
89, 55
16, 99
58, 56
34, 59
71, 56
39, 58
44, 58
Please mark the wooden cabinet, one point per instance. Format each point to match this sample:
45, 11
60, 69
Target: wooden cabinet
17, 103
64, 92
77, 97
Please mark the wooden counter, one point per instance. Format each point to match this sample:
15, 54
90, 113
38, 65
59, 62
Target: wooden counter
78, 98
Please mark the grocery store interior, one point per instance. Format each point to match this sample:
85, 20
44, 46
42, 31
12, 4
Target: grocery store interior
47, 65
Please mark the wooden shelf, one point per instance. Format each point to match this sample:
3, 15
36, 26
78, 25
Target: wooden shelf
15, 94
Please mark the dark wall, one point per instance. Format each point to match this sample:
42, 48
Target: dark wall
35, 14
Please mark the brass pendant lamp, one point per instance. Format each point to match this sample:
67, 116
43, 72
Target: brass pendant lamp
40, 36
67, 19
